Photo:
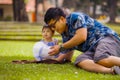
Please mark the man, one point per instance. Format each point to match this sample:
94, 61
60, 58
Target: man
99, 44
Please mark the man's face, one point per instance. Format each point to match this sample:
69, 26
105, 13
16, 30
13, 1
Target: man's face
58, 25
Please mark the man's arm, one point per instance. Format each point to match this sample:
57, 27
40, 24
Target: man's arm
79, 37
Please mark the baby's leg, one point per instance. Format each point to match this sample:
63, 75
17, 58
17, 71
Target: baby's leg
66, 56
69, 55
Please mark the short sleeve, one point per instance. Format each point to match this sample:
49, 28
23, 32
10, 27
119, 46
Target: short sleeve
80, 22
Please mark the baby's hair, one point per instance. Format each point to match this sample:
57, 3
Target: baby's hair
46, 26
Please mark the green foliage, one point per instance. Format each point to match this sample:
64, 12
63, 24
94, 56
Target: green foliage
19, 50
8, 18
115, 27
25, 1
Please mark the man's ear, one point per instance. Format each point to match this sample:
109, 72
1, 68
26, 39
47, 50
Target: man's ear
53, 29
63, 18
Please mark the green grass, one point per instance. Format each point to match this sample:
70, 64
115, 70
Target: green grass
115, 27
30, 32
19, 50
21, 31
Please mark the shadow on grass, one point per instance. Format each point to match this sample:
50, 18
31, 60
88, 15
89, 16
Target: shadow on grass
11, 58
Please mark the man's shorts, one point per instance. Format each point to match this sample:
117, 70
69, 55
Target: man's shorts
109, 46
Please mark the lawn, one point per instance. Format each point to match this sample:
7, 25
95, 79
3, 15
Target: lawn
30, 32
19, 50
26, 35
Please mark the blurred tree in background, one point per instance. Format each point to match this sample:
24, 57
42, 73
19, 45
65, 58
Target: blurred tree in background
108, 7
112, 5
95, 8
19, 10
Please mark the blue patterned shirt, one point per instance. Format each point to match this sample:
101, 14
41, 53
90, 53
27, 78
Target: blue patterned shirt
95, 31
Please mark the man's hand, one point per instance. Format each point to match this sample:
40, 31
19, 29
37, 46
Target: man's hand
54, 50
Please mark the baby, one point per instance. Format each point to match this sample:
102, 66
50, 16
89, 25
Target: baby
48, 41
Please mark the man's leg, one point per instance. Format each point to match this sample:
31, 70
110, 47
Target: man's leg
90, 65
110, 61
107, 52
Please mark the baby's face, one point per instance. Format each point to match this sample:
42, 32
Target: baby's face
47, 33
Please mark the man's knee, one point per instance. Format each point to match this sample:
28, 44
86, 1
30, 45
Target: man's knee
105, 62
86, 64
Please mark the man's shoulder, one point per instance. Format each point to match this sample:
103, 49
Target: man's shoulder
76, 15
72, 17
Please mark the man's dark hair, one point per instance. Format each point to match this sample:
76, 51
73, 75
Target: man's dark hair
53, 13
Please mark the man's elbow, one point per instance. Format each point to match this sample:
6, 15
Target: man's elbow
84, 38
